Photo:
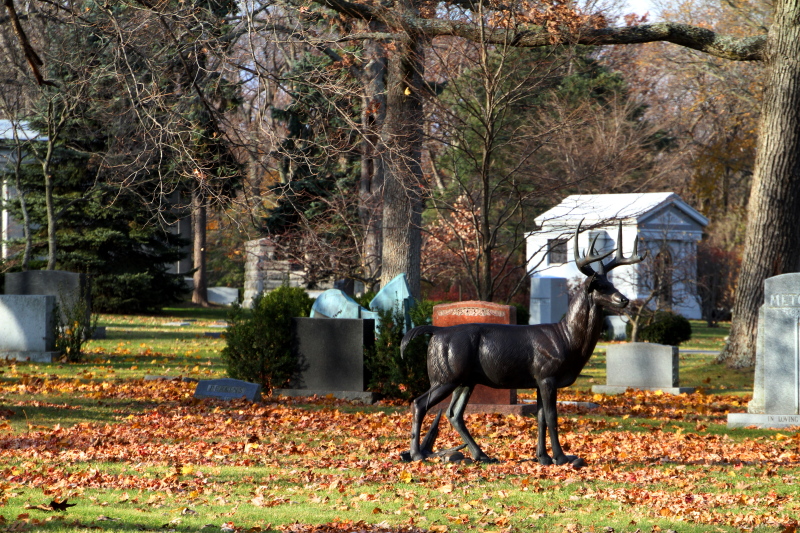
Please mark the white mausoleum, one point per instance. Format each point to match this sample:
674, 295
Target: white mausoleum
10, 134
661, 222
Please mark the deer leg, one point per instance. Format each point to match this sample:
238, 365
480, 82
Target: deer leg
547, 395
455, 413
541, 422
421, 406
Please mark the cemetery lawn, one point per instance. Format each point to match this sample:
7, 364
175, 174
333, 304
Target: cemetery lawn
136, 455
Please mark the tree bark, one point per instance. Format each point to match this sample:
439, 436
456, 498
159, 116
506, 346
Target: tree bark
26, 225
200, 291
23, 203
401, 139
52, 242
772, 245
373, 117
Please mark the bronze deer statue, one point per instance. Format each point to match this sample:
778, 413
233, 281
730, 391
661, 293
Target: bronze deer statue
546, 357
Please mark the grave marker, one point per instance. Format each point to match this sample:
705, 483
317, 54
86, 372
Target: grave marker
776, 387
228, 389
67, 287
331, 350
27, 328
483, 399
642, 366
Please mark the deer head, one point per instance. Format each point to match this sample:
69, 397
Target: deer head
598, 284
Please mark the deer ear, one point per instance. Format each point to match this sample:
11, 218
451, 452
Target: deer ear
590, 281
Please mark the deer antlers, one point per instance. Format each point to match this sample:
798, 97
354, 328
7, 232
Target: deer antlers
592, 256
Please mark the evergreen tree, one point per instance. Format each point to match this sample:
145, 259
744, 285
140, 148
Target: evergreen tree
105, 233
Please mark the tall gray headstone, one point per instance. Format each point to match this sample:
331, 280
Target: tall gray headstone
776, 387
263, 272
756, 405
331, 351
67, 287
549, 300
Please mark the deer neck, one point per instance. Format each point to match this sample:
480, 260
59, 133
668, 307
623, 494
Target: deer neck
583, 324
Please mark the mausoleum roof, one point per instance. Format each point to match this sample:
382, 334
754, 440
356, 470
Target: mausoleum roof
24, 133
631, 208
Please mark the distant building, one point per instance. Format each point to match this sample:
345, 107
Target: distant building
662, 223
11, 133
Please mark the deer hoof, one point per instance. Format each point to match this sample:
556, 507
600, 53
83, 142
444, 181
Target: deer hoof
545, 460
573, 460
577, 462
408, 457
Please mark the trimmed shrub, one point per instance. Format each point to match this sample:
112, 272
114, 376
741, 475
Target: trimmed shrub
665, 328
389, 374
260, 341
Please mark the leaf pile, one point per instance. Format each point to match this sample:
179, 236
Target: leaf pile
649, 453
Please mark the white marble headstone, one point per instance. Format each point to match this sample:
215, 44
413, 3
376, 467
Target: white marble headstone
776, 387
781, 366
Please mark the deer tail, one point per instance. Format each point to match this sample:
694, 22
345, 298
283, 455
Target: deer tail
413, 333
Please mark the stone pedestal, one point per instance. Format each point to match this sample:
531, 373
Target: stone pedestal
776, 387
483, 399
263, 273
642, 366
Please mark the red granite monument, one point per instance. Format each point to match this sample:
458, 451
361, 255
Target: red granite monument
483, 399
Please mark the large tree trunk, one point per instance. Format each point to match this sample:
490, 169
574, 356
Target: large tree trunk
772, 246
200, 292
401, 138
373, 115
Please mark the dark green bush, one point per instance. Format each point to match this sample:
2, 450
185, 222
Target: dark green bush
259, 341
389, 374
665, 328
523, 314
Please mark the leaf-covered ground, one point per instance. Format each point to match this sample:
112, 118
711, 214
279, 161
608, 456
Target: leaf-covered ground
161, 460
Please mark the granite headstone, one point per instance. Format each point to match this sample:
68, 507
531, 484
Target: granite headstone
26, 328
776, 387
483, 399
228, 389
331, 352
67, 287
641, 366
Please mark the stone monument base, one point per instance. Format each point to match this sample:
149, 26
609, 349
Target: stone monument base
742, 420
33, 357
611, 389
350, 395
519, 409
486, 400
